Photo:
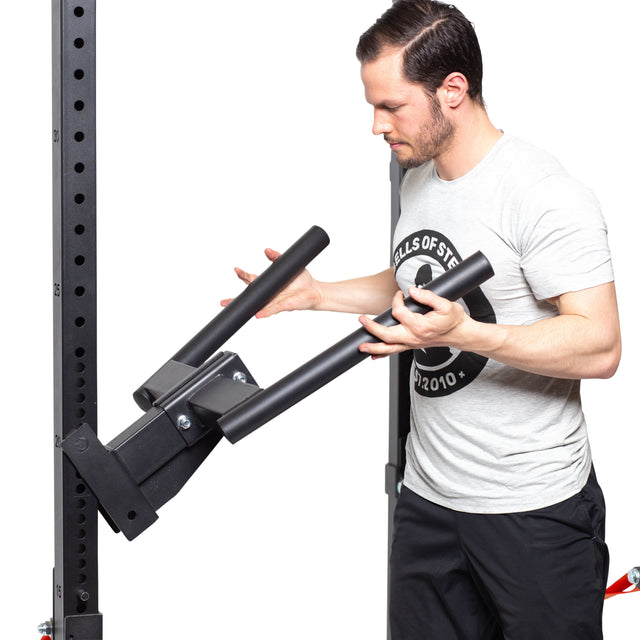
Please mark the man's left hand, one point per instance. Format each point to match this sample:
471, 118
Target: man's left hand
437, 328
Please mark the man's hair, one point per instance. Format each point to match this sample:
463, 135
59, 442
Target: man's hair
437, 40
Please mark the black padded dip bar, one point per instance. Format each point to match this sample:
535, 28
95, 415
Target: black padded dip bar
272, 401
265, 287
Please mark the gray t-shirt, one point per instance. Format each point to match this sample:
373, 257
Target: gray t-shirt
486, 437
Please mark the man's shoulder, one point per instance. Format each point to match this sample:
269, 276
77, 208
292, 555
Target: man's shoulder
532, 174
520, 158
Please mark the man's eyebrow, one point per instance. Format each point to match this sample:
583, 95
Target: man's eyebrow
388, 104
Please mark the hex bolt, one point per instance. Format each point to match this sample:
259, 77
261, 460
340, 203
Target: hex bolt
184, 422
634, 576
46, 628
239, 376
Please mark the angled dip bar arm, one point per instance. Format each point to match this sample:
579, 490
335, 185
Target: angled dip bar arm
270, 402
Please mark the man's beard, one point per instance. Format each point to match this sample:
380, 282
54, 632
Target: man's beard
433, 138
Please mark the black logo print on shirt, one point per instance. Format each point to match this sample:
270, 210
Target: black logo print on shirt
441, 371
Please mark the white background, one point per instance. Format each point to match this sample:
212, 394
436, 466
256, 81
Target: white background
224, 128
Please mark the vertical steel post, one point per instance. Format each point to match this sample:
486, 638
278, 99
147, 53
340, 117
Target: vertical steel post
75, 576
399, 368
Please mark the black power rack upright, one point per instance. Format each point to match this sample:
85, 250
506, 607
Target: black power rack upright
75, 578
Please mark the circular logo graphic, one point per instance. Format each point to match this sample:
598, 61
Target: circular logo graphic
441, 371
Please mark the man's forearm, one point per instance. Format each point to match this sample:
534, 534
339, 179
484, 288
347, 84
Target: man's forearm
369, 295
565, 346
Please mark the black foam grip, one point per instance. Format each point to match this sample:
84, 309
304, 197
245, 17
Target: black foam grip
265, 287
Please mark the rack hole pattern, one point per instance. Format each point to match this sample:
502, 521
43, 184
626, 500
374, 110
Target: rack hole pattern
76, 583
83, 226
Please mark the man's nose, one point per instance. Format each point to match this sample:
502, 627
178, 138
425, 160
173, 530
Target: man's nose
381, 123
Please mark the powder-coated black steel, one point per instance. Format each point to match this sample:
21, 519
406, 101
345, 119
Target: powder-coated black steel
75, 575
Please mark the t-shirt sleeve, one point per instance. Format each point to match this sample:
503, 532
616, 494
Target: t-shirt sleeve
564, 238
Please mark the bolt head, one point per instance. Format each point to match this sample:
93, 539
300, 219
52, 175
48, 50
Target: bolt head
46, 628
239, 376
184, 422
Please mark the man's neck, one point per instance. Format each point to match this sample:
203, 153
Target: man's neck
472, 140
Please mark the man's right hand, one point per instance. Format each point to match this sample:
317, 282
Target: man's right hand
301, 293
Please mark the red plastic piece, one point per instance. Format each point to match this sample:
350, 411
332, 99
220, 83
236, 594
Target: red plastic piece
619, 587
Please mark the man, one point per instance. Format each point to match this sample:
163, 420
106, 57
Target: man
499, 528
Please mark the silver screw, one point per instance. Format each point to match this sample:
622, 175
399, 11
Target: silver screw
184, 422
84, 596
634, 576
46, 628
238, 376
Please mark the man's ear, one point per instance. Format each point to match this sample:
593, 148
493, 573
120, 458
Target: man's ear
453, 90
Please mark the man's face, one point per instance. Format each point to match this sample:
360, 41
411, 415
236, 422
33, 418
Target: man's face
411, 121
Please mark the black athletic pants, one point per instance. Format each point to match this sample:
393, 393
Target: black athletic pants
535, 575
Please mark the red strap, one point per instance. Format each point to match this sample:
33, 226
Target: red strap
621, 586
